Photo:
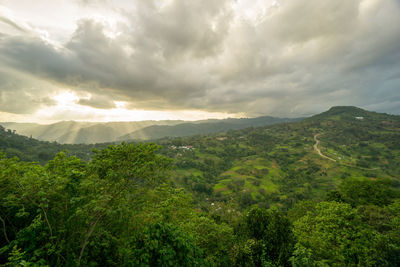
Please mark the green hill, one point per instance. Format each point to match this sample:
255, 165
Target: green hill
350, 113
279, 165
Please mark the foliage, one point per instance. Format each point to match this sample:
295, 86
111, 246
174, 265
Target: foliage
266, 238
362, 192
56, 212
252, 197
164, 245
334, 234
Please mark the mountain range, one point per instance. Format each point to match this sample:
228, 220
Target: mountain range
72, 132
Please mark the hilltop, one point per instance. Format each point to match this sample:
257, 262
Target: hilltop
350, 112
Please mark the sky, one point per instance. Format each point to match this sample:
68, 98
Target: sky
120, 60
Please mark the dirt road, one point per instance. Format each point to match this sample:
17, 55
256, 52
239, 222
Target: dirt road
319, 151
342, 163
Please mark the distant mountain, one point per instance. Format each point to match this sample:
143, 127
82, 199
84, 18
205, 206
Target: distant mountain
98, 133
72, 132
43, 132
202, 127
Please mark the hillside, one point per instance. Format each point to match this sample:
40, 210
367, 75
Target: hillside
98, 133
278, 165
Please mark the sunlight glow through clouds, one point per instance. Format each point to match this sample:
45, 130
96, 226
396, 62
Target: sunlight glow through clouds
252, 10
66, 98
198, 59
67, 108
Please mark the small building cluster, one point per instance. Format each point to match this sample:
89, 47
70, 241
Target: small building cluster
182, 147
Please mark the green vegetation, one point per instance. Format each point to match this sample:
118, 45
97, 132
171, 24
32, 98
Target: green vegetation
276, 166
251, 197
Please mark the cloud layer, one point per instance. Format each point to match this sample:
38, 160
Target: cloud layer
288, 57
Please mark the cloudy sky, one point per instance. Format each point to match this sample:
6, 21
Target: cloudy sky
102, 60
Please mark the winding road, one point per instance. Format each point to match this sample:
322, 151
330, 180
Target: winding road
319, 151
331, 159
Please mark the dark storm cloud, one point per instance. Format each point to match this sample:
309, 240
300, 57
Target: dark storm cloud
157, 71
297, 57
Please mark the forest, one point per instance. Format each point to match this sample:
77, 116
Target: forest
251, 197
